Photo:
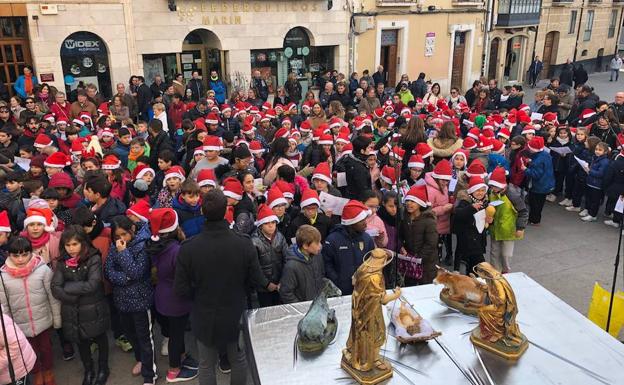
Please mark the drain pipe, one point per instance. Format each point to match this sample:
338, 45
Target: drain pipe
486, 37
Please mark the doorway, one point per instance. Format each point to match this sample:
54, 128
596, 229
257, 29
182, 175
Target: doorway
388, 54
512, 59
599, 60
14, 50
549, 59
201, 52
459, 49
493, 62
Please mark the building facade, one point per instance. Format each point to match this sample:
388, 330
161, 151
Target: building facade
106, 41
444, 39
511, 30
582, 31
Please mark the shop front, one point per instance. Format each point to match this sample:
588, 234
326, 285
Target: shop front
84, 58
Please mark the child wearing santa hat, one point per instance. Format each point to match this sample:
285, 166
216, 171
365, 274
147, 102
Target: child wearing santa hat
163, 248
271, 246
40, 231
437, 184
470, 242
509, 222
172, 183
542, 178
419, 237
309, 214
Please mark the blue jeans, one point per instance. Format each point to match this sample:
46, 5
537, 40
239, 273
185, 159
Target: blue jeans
616, 73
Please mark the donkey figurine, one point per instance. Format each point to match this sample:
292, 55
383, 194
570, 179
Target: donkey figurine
318, 327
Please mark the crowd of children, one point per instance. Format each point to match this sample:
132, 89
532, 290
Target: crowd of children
94, 214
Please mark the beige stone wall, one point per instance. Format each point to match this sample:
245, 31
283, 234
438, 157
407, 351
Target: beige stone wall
131, 28
414, 28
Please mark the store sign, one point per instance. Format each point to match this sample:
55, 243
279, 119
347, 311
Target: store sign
230, 12
78, 45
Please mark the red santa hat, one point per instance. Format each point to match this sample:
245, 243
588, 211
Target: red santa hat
326, 139
162, 221
225, 108
140, 170
443, 170
504, 133
40, 215
309, 197
57, 160
588, 113
212, 118
232, 188
288, 189
536, 144
498, 178
305, 126
524, 107
511, 120
42, 140
397, 153
141, 209
76, 147
107, 132
485, 143
469, 143
550, 117
342, 138
206, 177
174, 172
61, 121
347, 149
5, 224
335, 122
416, 161
255, 147
474, 133
460, 153
353, 212
212, 143
476, 168
388, 175
378, 112
322, 172
528, 129
418, 194
111, 162
275, 197
423, 150
248, 129
476, 183
497, 146
266, 105
265, 215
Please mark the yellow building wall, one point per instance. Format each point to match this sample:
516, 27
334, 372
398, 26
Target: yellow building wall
437, 66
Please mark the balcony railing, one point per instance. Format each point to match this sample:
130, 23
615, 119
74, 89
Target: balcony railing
468, 3
562, 2
513, 13
396, 3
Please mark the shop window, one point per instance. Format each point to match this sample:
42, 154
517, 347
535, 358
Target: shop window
84, 57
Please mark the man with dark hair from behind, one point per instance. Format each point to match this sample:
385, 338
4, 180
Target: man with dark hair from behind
215, 269
97, 191
158, 141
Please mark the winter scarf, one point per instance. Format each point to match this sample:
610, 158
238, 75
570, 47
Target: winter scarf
135, 155
563, 142
21, 272
37, 243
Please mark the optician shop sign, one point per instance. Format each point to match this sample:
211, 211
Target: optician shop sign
232, 12
82, 43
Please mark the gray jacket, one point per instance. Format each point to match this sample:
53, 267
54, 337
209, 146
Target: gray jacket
302, 279
271, 254
33, 307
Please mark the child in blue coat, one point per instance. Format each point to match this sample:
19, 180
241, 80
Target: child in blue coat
187, 204
595, 174
540, 171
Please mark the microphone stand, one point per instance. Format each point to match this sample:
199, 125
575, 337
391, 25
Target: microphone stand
619, 248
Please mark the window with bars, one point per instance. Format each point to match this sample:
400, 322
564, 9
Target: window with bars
14, 49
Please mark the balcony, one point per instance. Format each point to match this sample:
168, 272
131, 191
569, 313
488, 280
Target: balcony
562, 2
515, 13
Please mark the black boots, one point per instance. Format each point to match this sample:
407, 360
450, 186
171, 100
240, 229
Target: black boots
102, 376
89, 374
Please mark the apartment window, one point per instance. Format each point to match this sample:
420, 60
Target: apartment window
612, 23
572, 27
589, 26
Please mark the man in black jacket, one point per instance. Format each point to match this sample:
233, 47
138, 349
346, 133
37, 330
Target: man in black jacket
158, 88
158, 141
215, 269
356, 169
196, 86
342, 95
144, 98
260, 85
419, 86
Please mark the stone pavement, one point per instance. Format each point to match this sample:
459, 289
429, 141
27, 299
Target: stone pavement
564, 254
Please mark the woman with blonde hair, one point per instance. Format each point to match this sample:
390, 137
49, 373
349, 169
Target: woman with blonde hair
446, 143
317, 116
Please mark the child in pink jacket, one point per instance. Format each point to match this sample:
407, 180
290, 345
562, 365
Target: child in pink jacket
23, 357
375, 227
437, 190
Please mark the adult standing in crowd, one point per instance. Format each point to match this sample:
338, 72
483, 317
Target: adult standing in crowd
216, 279
144, 98
196, 86
370, 102
158, 87
419, 86
128, 100
473, 93
293, 88
379, 76
216, 84
580, 76
567, 74
25, 83
82, 104
178, 84
534, 70
260, 86
615, 65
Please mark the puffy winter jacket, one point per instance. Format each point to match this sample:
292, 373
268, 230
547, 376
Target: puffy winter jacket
270, 254
343, 252
164, 256
129, 274
302, 279
540, 170
111, 208
84, 308
439, 199
190, 218
444, 148
597, 171
420, 239
614, 178
23, 357
469, 240
33, 306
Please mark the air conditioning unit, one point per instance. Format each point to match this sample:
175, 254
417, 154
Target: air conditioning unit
363, 24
